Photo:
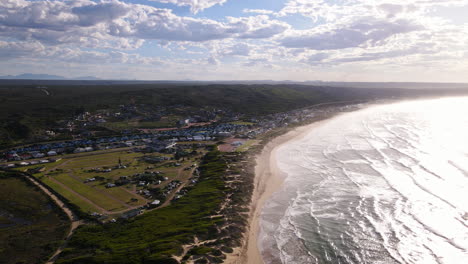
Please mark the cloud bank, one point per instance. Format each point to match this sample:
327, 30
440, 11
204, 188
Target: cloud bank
302, 38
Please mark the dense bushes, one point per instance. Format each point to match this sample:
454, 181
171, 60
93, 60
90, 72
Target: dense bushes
31, 225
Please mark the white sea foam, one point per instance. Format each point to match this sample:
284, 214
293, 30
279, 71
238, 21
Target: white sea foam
387, 184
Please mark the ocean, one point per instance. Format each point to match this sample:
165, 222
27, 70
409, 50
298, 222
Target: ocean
385, 184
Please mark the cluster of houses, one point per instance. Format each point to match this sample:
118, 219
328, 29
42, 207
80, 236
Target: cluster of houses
161, 141
156, 142
86, 121
154, 159
139, 179
270, 122
171, 186
27, 163
144, 180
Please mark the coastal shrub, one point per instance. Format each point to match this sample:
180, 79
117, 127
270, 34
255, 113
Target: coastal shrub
212, 259
227, 249
201, 261
201, 250
33, 226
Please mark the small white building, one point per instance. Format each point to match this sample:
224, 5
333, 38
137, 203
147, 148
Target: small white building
237, 143
79, 150
38, 155
52, 153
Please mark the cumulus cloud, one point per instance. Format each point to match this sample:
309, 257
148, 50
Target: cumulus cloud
195, 5
375, 56
258, 11
338, 33
213, 60
255, 27
83, 21
369, 30
35, 50
61, 29
10, 50
58, 15
361, 32
265, 62
240, 49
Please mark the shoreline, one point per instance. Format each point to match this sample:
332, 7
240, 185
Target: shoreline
268, 180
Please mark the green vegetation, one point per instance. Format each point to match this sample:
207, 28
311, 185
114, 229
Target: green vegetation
68, 179
242, 123
26, 110
200, 250
156, 236
31, 225
246, 146
165, 122
83, 206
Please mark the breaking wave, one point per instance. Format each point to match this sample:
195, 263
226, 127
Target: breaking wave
387, 184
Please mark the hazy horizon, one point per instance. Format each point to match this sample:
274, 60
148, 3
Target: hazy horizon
227, 40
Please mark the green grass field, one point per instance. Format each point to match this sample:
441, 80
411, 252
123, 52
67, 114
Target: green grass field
165, 122
75, 199
68, 176
103, 160
243, 123
99, 196
31, 225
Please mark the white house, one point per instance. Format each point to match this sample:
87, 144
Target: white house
52, 153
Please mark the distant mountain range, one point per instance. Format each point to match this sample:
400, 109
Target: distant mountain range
47, 79
32, 76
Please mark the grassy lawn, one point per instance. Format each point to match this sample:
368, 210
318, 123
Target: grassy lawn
125, 196
246, 145
75, 199
107, 159
96, 195
242, 123
31, 226
165, 122
68, 176
90, 197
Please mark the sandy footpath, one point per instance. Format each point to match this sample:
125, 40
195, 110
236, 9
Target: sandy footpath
268, 180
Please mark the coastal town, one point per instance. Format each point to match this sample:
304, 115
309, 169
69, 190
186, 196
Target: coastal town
233, 132
137, 160
135, 170
216, 125
182, 183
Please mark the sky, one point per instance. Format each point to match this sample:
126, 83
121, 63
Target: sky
299, 40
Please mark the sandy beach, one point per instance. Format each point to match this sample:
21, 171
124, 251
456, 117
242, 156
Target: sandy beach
268, 179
